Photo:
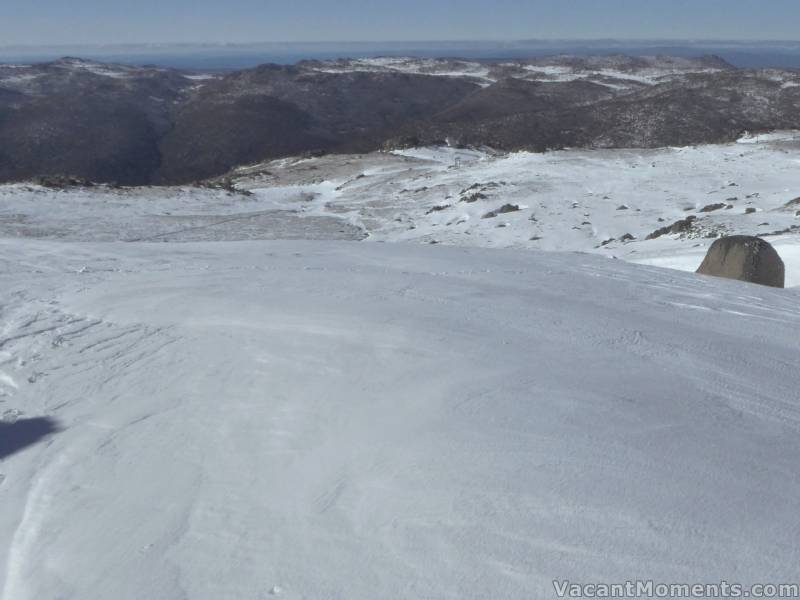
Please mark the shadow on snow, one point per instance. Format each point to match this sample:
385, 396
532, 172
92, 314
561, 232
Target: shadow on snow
22, 433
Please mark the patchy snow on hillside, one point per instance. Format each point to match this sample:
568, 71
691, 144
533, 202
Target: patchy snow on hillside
414, 66
346, 420
623, 77
662, 207
113, 70
201, 77
601, 201
561, 73
770, 136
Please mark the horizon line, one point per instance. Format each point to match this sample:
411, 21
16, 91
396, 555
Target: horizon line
244, 44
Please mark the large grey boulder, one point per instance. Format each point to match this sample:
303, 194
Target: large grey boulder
745, 258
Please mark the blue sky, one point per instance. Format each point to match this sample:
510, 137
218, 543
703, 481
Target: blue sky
39, 22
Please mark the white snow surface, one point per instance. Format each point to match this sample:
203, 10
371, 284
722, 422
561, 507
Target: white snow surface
345, 420
247, 417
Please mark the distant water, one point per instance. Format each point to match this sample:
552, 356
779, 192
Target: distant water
229, 57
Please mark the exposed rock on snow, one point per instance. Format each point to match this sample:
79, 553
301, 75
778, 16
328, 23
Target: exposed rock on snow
680, 226
793, 203
506, 208
745, 258
60, 182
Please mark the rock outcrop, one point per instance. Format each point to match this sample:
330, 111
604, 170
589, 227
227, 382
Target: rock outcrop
745, 258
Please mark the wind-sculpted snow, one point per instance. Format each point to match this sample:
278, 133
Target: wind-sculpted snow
342, 420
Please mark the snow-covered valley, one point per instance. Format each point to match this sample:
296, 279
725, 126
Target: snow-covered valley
272, 408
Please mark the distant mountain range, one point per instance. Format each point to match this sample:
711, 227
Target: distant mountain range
112, 122
231, 56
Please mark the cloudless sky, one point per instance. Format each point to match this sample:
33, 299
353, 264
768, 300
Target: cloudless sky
38, 22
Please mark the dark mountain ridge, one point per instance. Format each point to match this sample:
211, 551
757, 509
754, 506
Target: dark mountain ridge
143, 125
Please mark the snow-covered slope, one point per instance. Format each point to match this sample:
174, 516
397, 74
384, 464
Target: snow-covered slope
253, 414
603, 201
347, 420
